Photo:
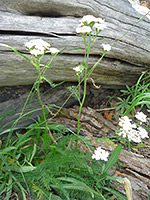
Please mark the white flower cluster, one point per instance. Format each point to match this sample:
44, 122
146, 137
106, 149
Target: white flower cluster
141, 116
78, 69
106, 47
53, 51
88, 22
100, 154
132, 131
38, 47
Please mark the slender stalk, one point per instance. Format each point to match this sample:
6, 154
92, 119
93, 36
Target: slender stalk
87, 53
38, 92
79, 90
40, 100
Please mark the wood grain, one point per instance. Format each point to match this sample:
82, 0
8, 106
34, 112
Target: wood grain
20, 22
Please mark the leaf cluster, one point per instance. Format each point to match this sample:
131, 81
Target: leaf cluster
138, 94
67, 174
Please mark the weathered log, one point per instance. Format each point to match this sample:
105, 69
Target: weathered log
132, 50
109, 71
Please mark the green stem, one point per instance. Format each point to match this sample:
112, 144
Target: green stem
87, 53
38, 92
79, 88
40, 100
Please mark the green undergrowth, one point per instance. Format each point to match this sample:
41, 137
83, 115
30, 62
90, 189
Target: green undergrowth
136, 95
60, 172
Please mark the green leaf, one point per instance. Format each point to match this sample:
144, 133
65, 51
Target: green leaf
54, 197
101, 38
47, 66
13, 177
74, 92
23, 169
5, 45
113, 158
21, 143
28, 168
76, 185
137, 100
33, 153
50, 82
139, 146
117, 194
4, 151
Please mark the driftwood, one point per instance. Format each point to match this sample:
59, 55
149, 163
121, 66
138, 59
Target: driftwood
22, 21
136, 167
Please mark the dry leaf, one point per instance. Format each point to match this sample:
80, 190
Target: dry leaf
108, 114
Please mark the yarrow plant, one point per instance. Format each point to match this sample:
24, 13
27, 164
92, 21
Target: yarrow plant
37, 48
131, 131
89, 28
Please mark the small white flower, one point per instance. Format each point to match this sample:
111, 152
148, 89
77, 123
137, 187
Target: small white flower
37, 44
37, 52
122, 133
100, 20
78, 69
125, 123
99, 27
106, 47
88, 19
141, 116
83, 29
100, 154
37, 47
53, 51
131, 131
124, 120
142, 132
133, 135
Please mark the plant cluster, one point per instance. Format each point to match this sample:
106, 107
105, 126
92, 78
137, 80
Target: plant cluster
133, 132
42, 163
136, 95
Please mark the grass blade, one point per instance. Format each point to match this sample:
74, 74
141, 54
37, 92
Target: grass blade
113, 158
